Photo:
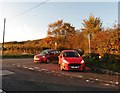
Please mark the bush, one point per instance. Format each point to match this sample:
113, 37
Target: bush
110, 62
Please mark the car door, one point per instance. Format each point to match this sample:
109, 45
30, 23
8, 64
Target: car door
52, 55
56, 52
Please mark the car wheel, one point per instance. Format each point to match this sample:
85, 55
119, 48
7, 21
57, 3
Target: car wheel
47, 60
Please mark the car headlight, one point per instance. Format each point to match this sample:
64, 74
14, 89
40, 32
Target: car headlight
35, 56
43, 56
82, 61
65, 61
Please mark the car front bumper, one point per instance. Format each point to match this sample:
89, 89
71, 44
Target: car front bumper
80, 67
39, 59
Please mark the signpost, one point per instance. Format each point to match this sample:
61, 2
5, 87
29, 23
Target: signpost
55, 45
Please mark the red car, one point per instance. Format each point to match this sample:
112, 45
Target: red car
47, 56
71, 60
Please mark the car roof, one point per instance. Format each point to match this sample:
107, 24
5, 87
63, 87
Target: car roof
50, 50
68, 51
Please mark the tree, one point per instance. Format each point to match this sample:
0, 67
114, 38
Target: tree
54, 28
62, 31
92, 25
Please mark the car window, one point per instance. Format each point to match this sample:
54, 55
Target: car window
43, 52
52, 52
70, 54
57, 52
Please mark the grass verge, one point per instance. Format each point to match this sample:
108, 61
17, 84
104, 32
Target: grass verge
18, 56
115, 66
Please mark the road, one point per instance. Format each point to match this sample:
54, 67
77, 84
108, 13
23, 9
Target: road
24, 75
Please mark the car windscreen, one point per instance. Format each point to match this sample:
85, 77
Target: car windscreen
70, 54
44, 52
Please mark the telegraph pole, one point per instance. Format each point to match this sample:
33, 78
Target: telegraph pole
3, 35
89, 38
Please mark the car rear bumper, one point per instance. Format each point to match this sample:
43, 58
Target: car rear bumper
39, 60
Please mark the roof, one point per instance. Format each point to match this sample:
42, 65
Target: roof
68, 51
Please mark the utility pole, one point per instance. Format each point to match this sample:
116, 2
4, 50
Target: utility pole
3, 35
55, 45
89, 38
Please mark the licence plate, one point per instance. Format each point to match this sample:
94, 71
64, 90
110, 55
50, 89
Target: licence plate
74, 66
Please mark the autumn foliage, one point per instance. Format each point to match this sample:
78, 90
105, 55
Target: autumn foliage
63, 35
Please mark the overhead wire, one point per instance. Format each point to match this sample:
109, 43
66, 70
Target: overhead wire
10, 18
29, 9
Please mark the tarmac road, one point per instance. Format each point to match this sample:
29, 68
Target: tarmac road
24, 75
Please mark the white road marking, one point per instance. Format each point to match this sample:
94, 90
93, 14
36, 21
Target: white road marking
31, 68
25, 67
96, 79
80, 76
36, 67
44, 69
87, 80
116, 83
107, 84
5, 72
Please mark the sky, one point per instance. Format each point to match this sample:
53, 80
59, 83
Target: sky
29, 20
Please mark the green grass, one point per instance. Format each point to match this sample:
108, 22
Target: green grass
18, 56
105, 65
